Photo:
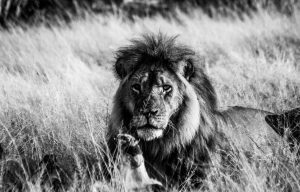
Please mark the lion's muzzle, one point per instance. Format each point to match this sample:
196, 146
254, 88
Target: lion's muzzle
149, 127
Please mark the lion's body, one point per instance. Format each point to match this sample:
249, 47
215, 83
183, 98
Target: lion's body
248, 129
167, 101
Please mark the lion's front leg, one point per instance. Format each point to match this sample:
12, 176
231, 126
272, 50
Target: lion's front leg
133, 169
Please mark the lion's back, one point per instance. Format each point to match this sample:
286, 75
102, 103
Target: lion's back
247, 128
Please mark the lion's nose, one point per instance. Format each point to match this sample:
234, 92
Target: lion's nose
151, 112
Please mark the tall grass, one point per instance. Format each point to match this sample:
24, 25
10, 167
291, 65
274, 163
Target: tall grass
36, 11
57, 84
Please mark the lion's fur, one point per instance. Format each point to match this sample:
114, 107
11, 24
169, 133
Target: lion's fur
187, 147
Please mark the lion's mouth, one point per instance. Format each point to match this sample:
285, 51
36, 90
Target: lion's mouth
149, 132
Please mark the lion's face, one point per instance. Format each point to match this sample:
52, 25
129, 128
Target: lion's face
153, 98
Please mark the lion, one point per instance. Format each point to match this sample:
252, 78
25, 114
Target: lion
166, 100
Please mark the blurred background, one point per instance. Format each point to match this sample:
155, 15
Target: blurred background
33, 11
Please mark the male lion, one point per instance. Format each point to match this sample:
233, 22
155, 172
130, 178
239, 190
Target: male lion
167, 101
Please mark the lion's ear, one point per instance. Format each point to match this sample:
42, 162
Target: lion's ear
189, 69
186, 68
120, 69
123, 66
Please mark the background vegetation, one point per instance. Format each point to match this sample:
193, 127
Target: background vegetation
57, 84
36, 11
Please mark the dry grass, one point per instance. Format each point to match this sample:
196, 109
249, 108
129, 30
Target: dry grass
56, 88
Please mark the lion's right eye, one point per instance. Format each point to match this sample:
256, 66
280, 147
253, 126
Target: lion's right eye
136, 88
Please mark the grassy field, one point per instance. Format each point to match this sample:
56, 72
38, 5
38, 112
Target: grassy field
57, 84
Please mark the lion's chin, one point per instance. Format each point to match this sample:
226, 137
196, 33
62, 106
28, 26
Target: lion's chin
149, 134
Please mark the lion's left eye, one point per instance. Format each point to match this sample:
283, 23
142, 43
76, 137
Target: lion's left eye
167, 88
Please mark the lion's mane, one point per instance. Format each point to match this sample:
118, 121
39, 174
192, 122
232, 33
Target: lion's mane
180, 151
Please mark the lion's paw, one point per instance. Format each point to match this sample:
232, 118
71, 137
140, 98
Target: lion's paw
129, 144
